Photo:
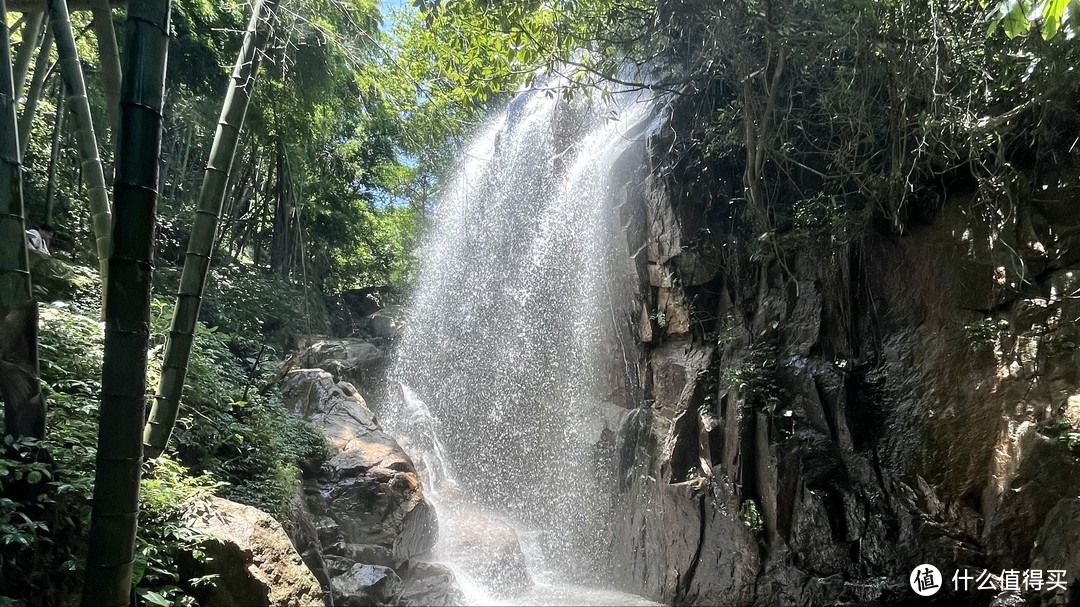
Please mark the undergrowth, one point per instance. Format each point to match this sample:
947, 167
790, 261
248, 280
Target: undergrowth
229, 441
1064, 434
253, 306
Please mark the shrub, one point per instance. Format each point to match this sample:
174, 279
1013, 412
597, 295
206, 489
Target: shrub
250, 451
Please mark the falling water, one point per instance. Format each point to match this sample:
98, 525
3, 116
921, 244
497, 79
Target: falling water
506, 360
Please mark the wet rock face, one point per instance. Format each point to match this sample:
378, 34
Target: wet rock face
368, 493
487, 548
360, 362
388, 322
363, 517
430, 584
815, 430
364, 585
1058, 547
254, 558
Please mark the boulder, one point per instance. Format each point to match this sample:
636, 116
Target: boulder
60, 280
253, 556
366, 301
368, 492
388, 322
366, 585
363, 517
350, 351
357, 361
1058, 547
487, 549
430, 584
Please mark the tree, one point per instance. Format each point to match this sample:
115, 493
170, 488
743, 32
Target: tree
24, 406
93, 172
30, 34
114, 519
33, 94
109, 58
203, 234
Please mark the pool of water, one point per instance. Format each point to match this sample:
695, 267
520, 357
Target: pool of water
555, 594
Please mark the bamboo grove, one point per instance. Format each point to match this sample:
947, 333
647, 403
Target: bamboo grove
116, 140
270, 190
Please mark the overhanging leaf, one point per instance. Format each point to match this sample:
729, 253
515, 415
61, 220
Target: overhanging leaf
154, 598
1053, 14
1015, 17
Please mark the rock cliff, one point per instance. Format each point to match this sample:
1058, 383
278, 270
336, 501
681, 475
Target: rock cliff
819, 419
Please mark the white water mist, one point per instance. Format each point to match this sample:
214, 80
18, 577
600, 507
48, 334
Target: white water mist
506, 360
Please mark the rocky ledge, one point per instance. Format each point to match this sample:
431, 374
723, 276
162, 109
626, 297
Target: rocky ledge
362, 522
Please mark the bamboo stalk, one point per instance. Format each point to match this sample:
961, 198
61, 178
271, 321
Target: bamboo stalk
203, 233
54, 157
24, 406
42, 68
109, 58
92, 169
31, 37
114, 520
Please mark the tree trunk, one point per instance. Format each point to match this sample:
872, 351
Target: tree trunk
114, 519
262, 211
92, 169
54, 157
201, 244
166, 162
31, 36
24, 406
279, 240
42, 67
109, 57
182, 175
234, 208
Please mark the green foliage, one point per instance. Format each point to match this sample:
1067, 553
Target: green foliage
168, 494
1063, 431
750, 516
18, 529
70, 345
755, 379
982, 335
249, 451
661, 318
1048, 17
252, 445
474, 51
266, 474
838, 116
247, 305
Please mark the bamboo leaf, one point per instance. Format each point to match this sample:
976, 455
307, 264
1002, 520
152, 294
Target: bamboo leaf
1015, 20
1053, 14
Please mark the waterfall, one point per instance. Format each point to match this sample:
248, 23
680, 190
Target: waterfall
506, 362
